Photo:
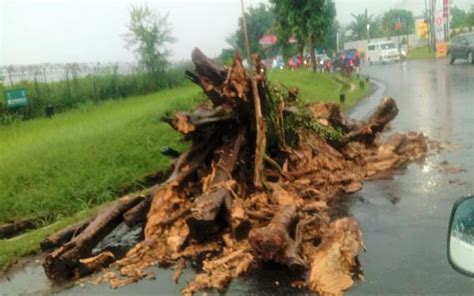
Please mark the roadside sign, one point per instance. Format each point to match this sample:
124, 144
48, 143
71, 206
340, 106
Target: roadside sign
16, 97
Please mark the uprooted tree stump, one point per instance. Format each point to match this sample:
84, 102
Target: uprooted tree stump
211, 207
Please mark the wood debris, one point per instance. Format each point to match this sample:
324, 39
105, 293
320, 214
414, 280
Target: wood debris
241, 196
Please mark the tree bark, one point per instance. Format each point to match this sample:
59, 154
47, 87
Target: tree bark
274, 243
14, 228
64, 262
204, 219
63, 236
137, 214
368, 130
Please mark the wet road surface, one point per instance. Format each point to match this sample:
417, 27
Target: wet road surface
404, 220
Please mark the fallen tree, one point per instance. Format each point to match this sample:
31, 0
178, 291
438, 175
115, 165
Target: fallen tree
237, 198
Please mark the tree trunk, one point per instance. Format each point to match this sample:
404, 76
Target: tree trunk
274, 243
368, 130
204, 220
59, 238
312, 45
64, 262
137, 214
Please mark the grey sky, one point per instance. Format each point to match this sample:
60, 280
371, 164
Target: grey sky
37, 31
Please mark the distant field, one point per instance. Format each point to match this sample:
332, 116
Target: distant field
79, 159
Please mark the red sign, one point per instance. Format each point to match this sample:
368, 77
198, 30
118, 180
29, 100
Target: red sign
269, 39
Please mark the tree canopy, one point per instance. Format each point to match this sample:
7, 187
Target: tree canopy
148, 35
358, 26
260, 21
309, 21
459, 17
398, 22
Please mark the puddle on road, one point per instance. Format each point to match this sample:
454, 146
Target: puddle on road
29, 280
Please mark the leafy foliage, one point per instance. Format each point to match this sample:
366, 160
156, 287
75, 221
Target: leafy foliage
307, 20
149, 34
403, 17
73, 91
260, 21
459, 18
358, 26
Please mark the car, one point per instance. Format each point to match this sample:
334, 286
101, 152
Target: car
461, 236
461, 47
382, 52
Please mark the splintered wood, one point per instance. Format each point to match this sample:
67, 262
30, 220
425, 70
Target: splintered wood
226, 209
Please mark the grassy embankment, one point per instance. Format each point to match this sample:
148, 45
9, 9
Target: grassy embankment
421, 53
66, 166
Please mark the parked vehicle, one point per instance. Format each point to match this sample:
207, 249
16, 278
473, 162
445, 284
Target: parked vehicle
295, 62
382, 52
461, 47
278, 63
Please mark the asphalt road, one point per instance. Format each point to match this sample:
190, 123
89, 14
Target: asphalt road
404, 220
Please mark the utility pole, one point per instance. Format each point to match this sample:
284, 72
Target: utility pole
367, 24
426, 21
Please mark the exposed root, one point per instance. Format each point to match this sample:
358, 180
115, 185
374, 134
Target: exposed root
231, 202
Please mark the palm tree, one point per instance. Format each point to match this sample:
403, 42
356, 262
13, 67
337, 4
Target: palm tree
358, 26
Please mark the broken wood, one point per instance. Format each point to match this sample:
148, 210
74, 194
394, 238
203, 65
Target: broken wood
64, 262
217, 208
63, 236
17, 227
187, 122
333, 263
94, 264
368, 130
137, 214
274, 243
204, 219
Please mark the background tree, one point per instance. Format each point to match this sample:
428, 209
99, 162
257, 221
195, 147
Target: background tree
259, 22
307, 20
394, 16
459, 18
320, 21
470, 19
148, 35
358, 26
291, 17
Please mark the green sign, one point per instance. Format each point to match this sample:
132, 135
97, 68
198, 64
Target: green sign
16, 97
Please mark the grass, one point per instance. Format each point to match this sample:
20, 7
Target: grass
28, 243
421, 53
80, 158
65, 166
315, 86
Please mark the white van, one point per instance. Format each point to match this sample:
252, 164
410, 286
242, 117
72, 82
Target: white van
382, 52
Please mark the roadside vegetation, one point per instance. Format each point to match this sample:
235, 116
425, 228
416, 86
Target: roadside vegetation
55, 168
317, 87
421, 53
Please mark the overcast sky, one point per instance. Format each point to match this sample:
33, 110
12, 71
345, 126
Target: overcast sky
38, 31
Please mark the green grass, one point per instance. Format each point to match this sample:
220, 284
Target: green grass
315, 86
28, 243
82, 158
421, 53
